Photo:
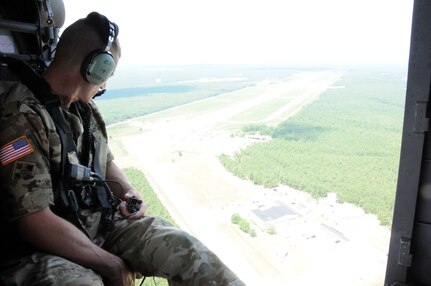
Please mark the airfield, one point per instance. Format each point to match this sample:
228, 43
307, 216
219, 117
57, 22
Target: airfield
317, 242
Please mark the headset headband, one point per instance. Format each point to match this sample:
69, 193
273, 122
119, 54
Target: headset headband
112, 35
107, 29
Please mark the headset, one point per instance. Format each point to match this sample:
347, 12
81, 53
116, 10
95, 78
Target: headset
100, 64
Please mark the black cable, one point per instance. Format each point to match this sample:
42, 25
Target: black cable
142, 281
87, 136
118, 183
112, 196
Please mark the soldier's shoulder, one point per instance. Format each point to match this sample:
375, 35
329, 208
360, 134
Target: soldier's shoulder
18, 100
17, 95
18, 106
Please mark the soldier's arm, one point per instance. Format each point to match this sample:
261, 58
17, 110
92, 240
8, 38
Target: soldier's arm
125, 191
52, 234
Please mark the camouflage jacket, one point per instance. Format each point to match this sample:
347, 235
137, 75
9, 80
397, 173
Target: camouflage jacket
30, 156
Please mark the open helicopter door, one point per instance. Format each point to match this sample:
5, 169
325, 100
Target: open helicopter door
29, 31
409, 258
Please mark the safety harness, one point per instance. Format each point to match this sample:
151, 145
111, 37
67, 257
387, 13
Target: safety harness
68, 195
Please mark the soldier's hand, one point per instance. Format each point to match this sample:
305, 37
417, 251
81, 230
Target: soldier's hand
139, 206
122, 276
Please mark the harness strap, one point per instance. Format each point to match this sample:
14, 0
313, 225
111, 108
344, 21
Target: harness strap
40, 88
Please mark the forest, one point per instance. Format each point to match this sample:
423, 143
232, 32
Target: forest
347, 142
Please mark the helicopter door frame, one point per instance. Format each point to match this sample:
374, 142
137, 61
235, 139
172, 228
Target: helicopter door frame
409, 250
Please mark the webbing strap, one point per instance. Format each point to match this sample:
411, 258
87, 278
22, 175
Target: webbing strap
41, 90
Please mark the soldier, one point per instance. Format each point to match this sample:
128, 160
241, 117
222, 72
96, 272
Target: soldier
60, 223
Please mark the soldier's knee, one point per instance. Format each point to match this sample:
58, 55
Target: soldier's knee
179, 240
72, 275
55, 270
83, 280
45, 269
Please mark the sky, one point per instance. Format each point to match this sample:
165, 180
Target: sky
309, 32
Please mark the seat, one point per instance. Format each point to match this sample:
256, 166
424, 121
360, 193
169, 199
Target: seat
29, 31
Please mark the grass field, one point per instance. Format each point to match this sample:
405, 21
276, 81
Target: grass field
155, 208
145, 101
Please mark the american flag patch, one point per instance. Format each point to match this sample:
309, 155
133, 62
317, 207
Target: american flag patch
14, 150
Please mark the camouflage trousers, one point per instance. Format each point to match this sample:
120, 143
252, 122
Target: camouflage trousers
149, 246
44, 269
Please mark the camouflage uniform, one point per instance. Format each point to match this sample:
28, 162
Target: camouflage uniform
149, 245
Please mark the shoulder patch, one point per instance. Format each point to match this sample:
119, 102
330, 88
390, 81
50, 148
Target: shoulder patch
23, 170
14, 150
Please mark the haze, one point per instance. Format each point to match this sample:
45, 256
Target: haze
300, 32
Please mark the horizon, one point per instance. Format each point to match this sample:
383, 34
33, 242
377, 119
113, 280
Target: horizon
137, 76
